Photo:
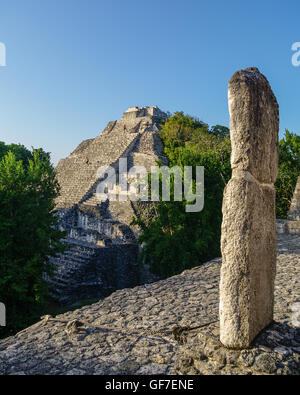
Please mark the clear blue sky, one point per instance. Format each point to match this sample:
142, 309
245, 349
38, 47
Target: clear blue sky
74, 65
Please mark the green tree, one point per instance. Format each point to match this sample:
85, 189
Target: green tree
172, 239
20, 152
288, 172
28, 234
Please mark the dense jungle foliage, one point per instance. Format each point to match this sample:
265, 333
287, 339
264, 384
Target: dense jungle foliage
174, 240
28, 236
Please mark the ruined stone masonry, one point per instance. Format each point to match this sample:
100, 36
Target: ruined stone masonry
294, 214
249, 221
99, 235
135, 137
133, 331
172, 326
292, 224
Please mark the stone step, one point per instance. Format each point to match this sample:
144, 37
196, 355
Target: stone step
92, 201
68, 262
293, 227
77, 175
78, 243
78, 257
285, 226
67, 267
58, 283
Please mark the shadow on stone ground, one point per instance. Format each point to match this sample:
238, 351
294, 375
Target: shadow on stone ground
275, 351
133, 331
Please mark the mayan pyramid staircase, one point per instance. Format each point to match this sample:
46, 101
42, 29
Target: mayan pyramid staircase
100, 234
134, 137
73, 271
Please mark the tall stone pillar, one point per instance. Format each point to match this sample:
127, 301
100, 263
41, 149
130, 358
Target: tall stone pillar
248, 240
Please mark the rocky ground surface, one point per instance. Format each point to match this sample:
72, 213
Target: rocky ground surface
168, 327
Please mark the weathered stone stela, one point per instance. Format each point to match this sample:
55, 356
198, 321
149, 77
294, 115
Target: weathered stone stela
248, 240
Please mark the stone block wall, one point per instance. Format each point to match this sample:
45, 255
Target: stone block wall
87, 270
294, 214
292, 224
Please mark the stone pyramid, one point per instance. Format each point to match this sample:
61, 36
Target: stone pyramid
135, 137
101, 253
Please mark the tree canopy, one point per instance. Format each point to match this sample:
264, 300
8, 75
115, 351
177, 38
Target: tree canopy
28, 232
174, 240
288, 172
